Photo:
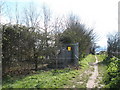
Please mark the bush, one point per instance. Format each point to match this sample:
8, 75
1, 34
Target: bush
112, 78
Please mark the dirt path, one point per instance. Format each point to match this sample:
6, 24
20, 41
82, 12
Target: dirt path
93, 77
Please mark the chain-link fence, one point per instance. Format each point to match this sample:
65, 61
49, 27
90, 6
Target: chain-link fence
68, 54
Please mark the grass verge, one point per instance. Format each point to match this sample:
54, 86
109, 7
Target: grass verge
53, 78
102, 67
84, 73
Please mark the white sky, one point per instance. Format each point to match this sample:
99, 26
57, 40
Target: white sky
102, 15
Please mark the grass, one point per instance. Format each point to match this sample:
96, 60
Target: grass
84, 73
102, 67
81, 80
101, 57
47, 79
85, 62
53, 78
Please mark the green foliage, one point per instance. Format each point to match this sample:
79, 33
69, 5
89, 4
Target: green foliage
112, 77
18, 43
21, 44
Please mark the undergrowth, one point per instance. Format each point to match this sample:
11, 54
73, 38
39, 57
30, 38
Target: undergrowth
109, 69
112, 77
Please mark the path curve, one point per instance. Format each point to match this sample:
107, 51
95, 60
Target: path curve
93, 77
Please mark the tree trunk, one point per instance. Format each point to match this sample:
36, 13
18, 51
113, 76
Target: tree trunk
35, 60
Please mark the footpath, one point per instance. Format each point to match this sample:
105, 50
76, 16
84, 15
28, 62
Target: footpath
91, 82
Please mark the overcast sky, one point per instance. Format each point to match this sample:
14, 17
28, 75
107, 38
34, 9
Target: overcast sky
102, 15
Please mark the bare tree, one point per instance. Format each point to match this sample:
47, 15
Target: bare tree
113, 48
46, 19
17, 17
31, 16
2, 9
32, 20
58, 28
